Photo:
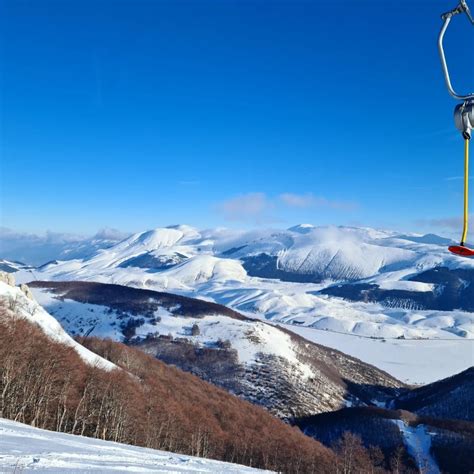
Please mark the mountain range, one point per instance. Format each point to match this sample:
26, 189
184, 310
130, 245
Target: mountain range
327, 328
325, 393
403, 291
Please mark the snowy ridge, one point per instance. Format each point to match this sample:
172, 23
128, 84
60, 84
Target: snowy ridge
23, 307
204, 268
451, 398
249, 338
308, 276
258, 361
10, 266
337, 255
23, 447
218, 265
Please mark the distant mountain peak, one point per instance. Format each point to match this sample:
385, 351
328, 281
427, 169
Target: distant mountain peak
430, 239
302, 228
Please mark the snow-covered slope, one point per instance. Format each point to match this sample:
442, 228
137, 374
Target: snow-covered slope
18, 305
256, 360
358, 281
249, 338
24, 448
418, 442
282, 274
9, 266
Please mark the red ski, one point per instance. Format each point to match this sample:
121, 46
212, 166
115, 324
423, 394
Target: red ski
461, 250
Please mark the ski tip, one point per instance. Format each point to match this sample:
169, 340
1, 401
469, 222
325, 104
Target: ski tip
461, 250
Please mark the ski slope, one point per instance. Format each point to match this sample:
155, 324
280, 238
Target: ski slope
24, 448
418, 442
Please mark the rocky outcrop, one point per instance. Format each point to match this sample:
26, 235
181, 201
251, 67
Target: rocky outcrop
9, 279
26, 290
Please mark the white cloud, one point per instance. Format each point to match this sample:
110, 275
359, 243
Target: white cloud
452, 223
297, 200
253, 207
310, 200
456, 178
36, 249
109, 233
260, 209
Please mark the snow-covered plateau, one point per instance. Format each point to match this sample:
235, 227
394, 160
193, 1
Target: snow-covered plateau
24, 448
353, 289
416, 361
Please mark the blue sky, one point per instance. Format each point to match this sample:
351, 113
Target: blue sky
134, 115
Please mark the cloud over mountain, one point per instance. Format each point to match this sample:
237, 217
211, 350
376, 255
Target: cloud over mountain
259, 208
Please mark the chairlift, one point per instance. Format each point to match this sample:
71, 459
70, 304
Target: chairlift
463, 118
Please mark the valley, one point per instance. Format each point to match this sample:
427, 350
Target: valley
342, 344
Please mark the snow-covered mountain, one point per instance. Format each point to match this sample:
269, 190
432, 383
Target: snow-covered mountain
257, 361
300, 254
17, 304
23, 447
387, 298
9, 266
358, 281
